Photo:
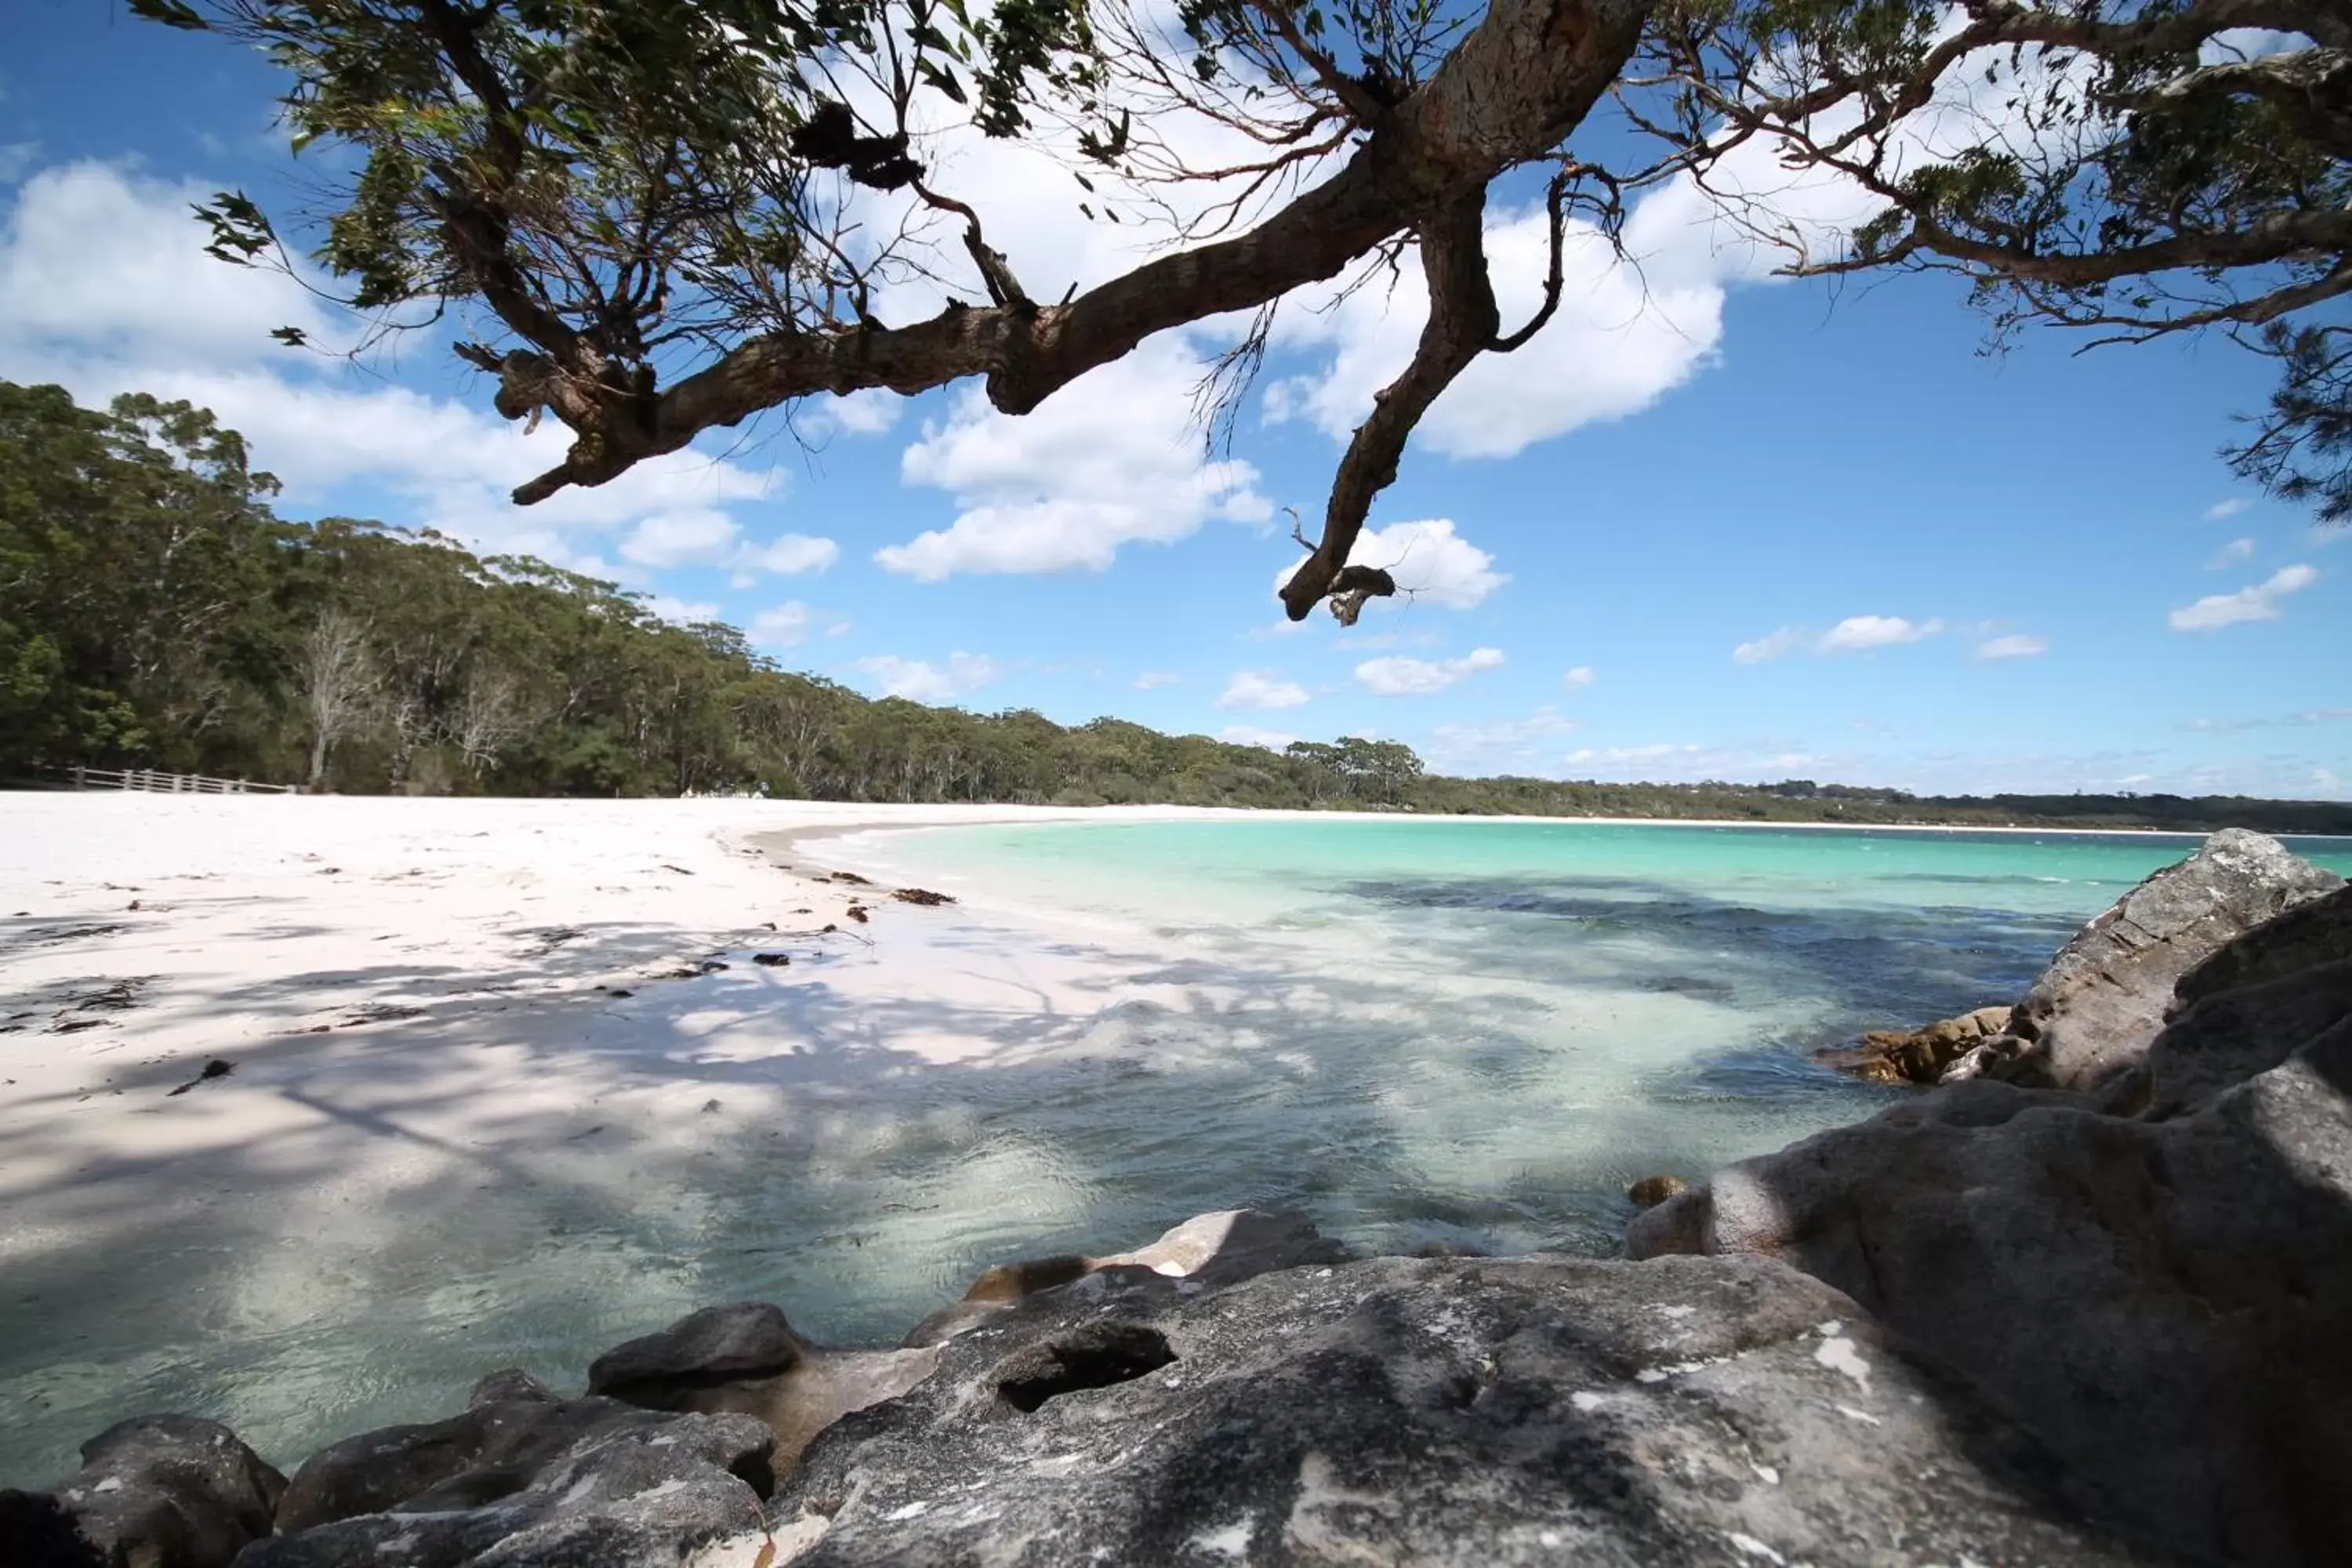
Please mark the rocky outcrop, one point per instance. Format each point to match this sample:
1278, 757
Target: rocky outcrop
1209, 1251
1918, 1056
1472, 1412
2096, 1009
745, 1359
2090, 1016
512, 1428
157, 1492
614, 1486
2156, 1280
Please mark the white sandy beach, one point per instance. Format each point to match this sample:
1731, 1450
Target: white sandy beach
419, 1000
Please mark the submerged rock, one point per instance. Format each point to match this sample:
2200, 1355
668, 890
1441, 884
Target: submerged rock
2162, 1297
1651, 1191
745, 1359
579, 1484
1474, 1412
155, 1491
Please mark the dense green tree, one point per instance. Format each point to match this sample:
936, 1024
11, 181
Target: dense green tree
154, 613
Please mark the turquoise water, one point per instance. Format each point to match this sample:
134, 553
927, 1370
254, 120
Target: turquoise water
1460, 1032
1477, 1032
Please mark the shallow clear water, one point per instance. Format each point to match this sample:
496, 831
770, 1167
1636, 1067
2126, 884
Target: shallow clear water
1471, 1032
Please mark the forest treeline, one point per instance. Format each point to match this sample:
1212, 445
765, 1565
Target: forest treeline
155, 612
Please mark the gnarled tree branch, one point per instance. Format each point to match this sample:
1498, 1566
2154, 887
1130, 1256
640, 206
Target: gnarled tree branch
1462, 326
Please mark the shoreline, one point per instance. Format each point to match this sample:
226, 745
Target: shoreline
478, 1042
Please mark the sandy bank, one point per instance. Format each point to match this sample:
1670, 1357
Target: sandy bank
453, 1048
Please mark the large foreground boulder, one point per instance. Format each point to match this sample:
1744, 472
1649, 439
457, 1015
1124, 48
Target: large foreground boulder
156, 1491
2163, 1297
545, 1483
2094, 1011
1472, 1412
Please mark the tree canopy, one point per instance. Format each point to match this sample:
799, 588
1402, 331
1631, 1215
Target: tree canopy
662, 219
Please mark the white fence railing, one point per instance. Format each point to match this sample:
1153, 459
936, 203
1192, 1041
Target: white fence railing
169, 783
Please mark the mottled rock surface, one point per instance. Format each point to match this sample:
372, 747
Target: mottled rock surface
1210, 1250
745, 1359
631, 1489
2163, 1297
2094, 1010
156, 1491
505, 1436
1478, 1411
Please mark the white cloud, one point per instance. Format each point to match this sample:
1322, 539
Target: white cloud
2237, 550
1251, 735
1428, 560
679, 538
1500, 745
2020, 645
2258, 603
1684, 762
2221, 511
2248, 44
1580, 676
1109, 460
867, 413
1857, 633
109, 290
682, 612
1397, 676
1774, 644
1612, 348
98, 260
786, 555
789, 624
2296, 720
1152, 680
1261, 690
1619, 755
922, 681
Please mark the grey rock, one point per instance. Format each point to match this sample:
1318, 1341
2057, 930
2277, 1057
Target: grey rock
634, 1490
155, 1491
2006, 1057
2163, 1302
2103, 999
1209, 1250
2228, 1036
747, 1339
2312, 934
492, 1449
1482, 1412
745, 1359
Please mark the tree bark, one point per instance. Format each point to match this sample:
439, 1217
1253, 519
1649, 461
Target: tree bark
1509, 92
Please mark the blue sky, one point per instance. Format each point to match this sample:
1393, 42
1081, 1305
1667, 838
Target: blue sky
1726, 527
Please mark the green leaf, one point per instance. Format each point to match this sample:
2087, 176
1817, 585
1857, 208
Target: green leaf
171, 13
